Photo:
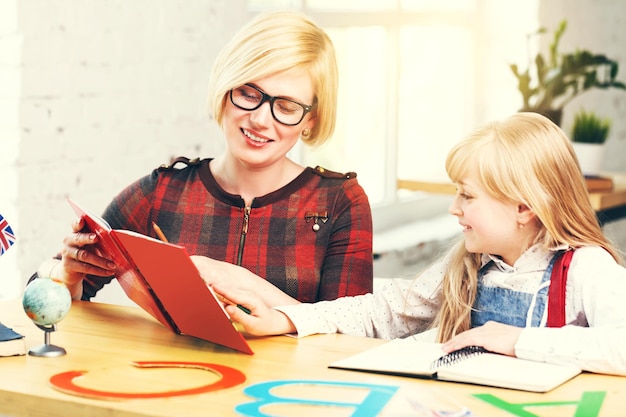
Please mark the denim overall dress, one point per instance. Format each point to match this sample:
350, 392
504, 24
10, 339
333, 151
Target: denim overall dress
512, 307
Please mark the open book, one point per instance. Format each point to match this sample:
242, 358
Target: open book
473, 365
162, 279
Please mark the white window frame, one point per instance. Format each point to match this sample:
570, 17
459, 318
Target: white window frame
474, 20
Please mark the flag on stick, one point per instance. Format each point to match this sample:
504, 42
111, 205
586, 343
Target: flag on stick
7, 237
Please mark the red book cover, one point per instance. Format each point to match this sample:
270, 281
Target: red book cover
161, 278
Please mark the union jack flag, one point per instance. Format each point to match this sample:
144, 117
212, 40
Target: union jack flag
7, 237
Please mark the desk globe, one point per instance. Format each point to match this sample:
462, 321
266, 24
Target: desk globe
46, 302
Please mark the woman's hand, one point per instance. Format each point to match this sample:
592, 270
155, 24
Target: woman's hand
227, 275
493, 336
261, 320
78, 258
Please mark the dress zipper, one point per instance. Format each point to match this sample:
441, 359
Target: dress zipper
244, 231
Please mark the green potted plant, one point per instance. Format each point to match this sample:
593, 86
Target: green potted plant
590, 128
548, 86
589, 133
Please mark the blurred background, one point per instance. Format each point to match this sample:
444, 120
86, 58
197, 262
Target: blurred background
96, 93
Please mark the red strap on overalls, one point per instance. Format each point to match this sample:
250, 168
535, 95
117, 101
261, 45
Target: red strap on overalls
556, 292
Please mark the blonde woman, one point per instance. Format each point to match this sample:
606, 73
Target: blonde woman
305, 231
522, 205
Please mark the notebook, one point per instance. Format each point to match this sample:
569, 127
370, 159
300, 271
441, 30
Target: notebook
473, 365
161, 278
11, 342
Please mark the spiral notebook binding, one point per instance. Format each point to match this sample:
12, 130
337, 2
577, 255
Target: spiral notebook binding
458, 355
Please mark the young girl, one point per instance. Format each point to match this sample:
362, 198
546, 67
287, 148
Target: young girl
521, 202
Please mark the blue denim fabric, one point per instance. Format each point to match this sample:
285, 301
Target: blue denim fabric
511, 307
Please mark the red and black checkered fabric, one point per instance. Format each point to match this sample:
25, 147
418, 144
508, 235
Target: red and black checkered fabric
280, 245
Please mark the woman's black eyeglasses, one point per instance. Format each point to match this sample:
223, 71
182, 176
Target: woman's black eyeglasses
284, 110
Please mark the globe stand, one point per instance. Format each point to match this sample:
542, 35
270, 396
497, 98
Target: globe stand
47, 350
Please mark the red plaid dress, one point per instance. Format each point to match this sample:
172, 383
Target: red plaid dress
312, 238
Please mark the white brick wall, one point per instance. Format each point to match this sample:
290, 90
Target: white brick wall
10, 50
94, 94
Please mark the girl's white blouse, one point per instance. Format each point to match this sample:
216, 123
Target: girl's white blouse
594, 338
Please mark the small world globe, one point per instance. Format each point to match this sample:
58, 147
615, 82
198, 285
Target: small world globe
46, 301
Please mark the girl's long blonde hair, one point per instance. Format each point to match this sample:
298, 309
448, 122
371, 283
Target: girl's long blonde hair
525, 158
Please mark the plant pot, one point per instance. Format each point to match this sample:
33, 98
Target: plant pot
554, 115
590, 157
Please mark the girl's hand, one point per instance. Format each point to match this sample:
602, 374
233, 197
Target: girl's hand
262, 319
215, 272
235, 277
493, 336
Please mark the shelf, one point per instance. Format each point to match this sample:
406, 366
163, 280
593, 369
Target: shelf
600, 200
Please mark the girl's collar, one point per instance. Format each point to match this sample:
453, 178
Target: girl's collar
529, 257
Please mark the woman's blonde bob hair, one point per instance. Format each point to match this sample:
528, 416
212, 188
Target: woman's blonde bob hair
525, 159
275, 42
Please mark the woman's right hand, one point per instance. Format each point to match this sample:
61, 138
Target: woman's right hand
79, 257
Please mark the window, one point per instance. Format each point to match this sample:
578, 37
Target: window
415, 77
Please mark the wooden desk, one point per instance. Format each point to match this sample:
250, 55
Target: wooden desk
103, 339
610, 205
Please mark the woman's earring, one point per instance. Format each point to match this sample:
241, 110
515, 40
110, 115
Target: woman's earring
306, 132
521, 225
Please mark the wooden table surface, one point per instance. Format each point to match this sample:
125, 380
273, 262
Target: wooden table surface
102, 340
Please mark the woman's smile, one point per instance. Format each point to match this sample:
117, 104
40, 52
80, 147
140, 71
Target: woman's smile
255, 138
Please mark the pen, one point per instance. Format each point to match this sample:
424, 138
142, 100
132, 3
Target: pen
159, 232
244, 309
239, 306
226, 301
